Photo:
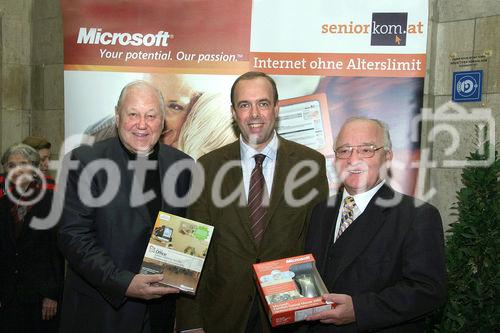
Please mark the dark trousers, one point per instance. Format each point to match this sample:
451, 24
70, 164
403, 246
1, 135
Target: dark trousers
21, 317
52, 325
159, 318
254, 324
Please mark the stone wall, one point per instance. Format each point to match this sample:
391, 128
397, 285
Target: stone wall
47, 117
32, 85
459, 28
15, 71
31, 75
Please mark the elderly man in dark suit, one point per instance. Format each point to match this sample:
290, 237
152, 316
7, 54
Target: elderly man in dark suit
380, 252
258, 193
111, 203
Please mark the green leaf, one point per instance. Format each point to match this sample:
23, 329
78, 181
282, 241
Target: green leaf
473, 253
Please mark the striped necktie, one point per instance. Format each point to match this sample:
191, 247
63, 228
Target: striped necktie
257, 196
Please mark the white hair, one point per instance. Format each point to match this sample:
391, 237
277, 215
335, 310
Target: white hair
24, 150
380, 124
141, 84
208, 126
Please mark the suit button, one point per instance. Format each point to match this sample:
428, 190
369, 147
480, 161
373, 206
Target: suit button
17, 254
16, 271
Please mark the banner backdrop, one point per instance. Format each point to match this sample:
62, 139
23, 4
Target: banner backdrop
331, 59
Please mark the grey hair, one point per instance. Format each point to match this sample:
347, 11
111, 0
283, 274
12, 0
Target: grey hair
140, 84
382, 125
26, 151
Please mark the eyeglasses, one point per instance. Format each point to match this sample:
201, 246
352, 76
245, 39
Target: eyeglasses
364, 151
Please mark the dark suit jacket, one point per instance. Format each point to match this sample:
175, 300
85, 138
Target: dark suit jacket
104, 246
227, 288
390, 260
29, 263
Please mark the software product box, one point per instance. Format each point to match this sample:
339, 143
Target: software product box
177, 249
291, 288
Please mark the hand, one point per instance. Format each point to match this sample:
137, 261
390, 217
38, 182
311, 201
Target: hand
144, 286
49, 308
342, 311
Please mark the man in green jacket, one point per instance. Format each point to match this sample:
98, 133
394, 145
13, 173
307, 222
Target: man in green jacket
258, 193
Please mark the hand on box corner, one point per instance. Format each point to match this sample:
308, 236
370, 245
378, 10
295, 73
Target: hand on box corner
49, 308
145, 286
341, 313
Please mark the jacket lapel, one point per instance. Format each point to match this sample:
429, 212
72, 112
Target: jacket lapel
127, 177
285, 159
359, 234
328, 232
163, 165
234, 182
9, 225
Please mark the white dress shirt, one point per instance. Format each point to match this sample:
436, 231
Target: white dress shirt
362, 200
248, 162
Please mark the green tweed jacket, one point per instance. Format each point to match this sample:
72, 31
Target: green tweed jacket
227, 287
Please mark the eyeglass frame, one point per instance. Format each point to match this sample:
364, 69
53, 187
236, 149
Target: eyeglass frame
351, 149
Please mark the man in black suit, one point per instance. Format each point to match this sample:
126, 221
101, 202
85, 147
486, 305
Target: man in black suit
112, 200
381, 253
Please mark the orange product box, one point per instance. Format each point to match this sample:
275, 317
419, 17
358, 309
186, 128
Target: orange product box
291, 289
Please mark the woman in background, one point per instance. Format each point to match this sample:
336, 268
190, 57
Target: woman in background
208, 126
29, 261
179, 97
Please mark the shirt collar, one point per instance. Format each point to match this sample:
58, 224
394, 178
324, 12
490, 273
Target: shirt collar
270, 150
151, 155
363, 199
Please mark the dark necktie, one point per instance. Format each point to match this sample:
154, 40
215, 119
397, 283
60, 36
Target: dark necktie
257, 199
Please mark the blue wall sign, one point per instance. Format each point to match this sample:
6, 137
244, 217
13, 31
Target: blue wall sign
467, 86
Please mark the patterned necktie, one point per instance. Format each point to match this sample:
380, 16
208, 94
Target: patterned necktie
257, 195
347, 215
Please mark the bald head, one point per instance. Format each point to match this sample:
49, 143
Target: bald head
140, 85
140, 117
362, 151
382, 127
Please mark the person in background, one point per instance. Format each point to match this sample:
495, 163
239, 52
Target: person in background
179, 98
261, 223
380, 253
104, 244
43, 147
29, 275
208, 126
